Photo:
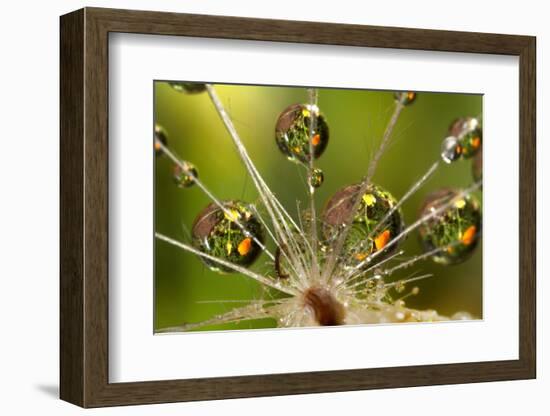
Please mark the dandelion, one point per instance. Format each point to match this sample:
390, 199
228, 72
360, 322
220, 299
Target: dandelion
336, 266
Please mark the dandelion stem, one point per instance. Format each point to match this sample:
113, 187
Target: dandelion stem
420, 257
415, 259
362, 189
361, 273
210, 195
249, 301
405, 197
273, 207
405, 281
248, 312
247, 272
313, 100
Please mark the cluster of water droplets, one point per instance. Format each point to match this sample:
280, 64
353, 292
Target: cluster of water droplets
369, 224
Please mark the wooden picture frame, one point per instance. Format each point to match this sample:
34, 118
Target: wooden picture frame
84, 207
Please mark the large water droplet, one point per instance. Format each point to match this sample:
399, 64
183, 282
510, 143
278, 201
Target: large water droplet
455, 230
469, 134
216, 232
367, 234
293, 135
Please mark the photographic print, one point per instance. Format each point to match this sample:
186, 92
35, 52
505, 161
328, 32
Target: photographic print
286, 206
230, 212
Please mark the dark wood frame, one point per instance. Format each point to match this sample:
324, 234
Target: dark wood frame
84, 207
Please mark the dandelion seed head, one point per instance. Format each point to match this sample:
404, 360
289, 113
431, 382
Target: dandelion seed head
346, 272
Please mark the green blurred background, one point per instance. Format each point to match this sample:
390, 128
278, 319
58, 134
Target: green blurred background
357, 119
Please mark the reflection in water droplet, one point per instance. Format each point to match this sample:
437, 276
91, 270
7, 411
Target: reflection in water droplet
374, 206
217, 233
293, 135
185, 176
316, 178
450, 149
469, 134
456, 230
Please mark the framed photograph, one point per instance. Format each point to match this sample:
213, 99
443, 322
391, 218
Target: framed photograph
262, 207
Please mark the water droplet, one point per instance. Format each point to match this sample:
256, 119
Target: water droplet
217, 233
373, 208
405, 97
316, 178
469, 134
293, 135
456, 230
451, 149
160, 136
188, 87
185, 175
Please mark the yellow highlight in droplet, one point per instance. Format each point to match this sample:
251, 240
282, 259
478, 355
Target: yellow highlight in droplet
461, 203
369, 199
232, 215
